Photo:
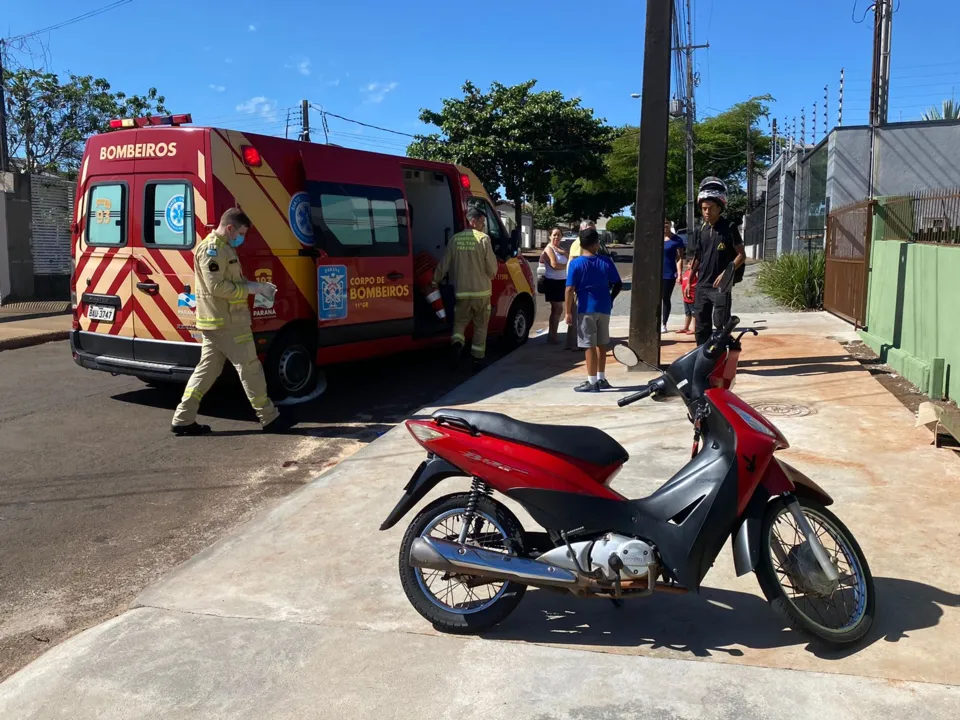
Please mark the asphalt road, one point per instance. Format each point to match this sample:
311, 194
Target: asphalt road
98, 498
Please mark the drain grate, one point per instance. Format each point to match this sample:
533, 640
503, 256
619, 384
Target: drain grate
774, 408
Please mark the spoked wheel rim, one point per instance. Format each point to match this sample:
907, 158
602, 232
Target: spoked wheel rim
458, 593
835, 607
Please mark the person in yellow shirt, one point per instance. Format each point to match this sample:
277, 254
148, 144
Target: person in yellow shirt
223, 319
471, 265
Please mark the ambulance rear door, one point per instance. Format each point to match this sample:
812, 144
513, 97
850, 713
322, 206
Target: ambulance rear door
365, 266
166, 230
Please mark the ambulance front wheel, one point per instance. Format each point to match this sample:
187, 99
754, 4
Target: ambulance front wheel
519, 321
291, 366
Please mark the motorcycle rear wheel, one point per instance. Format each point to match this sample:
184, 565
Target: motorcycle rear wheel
448, 601
793, 583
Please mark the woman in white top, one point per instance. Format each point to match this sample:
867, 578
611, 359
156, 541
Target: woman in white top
554, 260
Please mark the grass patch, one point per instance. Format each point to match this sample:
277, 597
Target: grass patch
794, 280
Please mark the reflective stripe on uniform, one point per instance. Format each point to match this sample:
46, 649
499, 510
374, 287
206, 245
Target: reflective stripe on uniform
478, 294
477, 351
240, 293
245, 338
243, 301
209, 323
192, 393
260, 402
458, 339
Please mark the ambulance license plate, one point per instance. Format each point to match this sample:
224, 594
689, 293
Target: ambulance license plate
100, 313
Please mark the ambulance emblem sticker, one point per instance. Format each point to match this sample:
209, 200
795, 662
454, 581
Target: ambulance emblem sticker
300, 221
332, 284
173, 214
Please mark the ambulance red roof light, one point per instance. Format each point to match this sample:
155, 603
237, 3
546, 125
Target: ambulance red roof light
465, 182
121, 123
251, 156
171, 120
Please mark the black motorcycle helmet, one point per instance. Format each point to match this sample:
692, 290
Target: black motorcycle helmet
713, 188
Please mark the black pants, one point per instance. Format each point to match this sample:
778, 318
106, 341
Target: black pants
712, 309
666, 292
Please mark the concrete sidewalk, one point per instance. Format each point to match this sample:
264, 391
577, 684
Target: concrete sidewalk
26, 324
300, 613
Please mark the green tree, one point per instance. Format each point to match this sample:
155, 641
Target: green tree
720, 149
544, 217
620, 226
949, 110
516, 138
579, 198
48, 121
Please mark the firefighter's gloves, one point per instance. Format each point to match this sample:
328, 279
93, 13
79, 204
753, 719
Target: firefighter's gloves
268, 290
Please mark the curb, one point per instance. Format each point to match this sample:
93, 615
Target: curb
30, 340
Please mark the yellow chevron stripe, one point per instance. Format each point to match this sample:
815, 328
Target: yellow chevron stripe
149, 304
271, 224
516, 274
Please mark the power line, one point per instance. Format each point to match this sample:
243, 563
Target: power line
357, 122
71, 21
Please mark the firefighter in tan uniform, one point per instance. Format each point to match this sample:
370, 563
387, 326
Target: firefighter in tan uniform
223, 319
471, 266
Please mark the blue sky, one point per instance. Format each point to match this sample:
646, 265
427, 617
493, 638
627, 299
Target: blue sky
242, 64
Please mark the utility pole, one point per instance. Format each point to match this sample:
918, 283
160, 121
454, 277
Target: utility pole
4, 157
773, 142
305, 120
691, 116
286, 129
651, 183
880, 79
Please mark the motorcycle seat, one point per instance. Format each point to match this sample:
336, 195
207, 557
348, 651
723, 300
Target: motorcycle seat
583, 443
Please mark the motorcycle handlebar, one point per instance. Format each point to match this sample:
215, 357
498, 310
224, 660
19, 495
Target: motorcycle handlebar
636, 396
731, 324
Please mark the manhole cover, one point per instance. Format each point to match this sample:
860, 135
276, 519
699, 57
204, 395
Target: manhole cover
773, 408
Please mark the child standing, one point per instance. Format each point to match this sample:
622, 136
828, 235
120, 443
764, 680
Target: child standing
688, 287
595, 282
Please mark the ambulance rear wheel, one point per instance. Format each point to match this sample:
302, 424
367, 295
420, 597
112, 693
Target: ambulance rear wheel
517, 329
291, 367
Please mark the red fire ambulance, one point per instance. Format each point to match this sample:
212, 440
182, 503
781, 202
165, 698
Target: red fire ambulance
340, 232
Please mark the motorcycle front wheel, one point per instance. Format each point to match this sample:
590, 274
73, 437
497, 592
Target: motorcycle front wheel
462, 603
837, 613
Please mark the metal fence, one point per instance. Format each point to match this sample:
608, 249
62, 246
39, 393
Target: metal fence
928, 216
755, 226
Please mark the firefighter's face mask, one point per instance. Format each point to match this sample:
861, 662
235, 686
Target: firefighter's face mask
237, 239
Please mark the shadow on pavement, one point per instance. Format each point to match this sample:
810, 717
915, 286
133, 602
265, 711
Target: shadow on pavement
710, 623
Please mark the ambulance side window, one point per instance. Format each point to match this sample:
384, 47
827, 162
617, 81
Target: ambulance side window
359, 220
106, 222
168, 214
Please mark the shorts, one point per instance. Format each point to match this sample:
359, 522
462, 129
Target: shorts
554, 289
593, 330
688, 309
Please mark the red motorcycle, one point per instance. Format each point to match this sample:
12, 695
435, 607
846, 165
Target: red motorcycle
466, 561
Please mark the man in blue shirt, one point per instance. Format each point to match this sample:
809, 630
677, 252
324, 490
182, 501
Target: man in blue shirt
595, 282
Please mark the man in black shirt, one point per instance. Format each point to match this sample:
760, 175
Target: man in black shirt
717, 253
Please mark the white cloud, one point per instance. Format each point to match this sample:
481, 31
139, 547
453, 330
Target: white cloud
216, 88
377, 91
302, 66
261, 106
252, 28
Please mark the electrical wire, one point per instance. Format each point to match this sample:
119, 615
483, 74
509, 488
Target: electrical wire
853, 13
71, 21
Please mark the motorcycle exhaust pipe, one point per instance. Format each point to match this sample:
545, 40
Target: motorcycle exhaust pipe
436, 554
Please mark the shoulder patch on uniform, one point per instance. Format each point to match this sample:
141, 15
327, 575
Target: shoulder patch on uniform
213, 267
212, 251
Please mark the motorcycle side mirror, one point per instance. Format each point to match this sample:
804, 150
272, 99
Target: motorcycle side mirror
625, 356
